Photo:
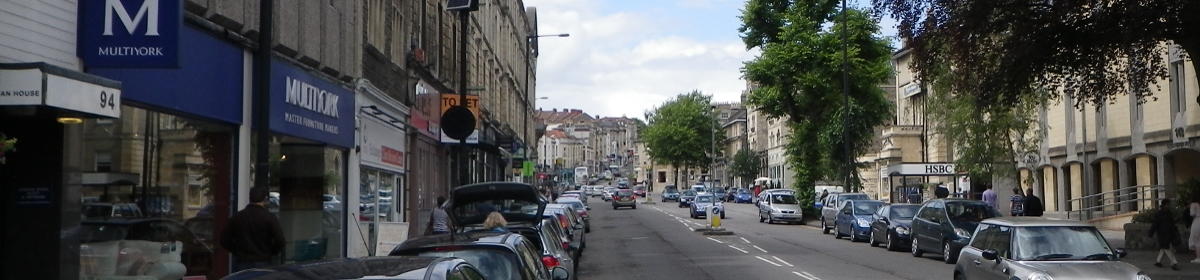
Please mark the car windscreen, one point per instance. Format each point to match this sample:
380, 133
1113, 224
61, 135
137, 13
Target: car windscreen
96, 211
624, 193
689, 193
1059, 243
743, 191
704, 198
511, 209
866, 207
576, 203
670, 191
492, 263
970, 212
904, 211
845, 197
102, 232
784, 199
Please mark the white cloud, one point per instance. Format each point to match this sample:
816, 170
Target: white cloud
625, 57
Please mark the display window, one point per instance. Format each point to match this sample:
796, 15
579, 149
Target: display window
381, 197
149, 199
308, 184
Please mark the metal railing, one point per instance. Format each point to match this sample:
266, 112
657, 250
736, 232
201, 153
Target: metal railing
1115, 202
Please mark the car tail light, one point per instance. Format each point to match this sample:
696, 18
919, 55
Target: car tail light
562, 220
566, 245
584, 213
550, 261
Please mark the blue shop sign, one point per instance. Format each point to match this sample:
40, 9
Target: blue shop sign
307, 106
207, 84
130, 33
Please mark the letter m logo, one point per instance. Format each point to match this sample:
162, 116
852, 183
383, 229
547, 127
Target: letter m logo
148, 10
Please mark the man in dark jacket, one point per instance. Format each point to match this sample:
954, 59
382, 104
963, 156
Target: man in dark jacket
253, 235
1033, 205
1166, 233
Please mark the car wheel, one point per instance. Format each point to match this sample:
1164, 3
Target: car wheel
614, 207
959, 276
824, 229
947, 254
837, 234
634, 206
587, 229
916, 250
872, 241
760, 217
891, 246
853, 234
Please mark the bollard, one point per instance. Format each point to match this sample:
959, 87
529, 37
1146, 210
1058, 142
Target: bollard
714, 217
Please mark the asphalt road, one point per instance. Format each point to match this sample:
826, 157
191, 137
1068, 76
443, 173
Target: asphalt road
656, 242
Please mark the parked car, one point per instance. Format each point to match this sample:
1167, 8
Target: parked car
945, 225
699, 188
702, 204
110, 210
401, 267
624, 198
578, 194
892, 225
608, 193
639, 191
832, 205
557, 249
581, 209
571, 226
506, 255
742, 195
670, 195
780, 206
1040, 248
854, 219
195, 255
719, 194
686, 197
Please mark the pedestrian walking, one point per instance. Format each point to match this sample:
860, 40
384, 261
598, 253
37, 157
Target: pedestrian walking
439, 220
253, 235
1194, 236
989, 197
1033, 205
1016, 203
1164, 231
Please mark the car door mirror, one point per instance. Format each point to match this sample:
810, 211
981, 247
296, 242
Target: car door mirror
1120, 252
578, 226
559, 273
588, 208
883, 219
989, 254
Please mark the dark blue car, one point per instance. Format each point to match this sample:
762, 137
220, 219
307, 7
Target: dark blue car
892, 225
854, 219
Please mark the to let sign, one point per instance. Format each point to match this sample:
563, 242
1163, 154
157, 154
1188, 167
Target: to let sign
130, 33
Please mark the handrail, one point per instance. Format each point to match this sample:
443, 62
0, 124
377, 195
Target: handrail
1123, 200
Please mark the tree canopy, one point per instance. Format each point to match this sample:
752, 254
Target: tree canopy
798, 77
746, 165
1093, 50
680, 131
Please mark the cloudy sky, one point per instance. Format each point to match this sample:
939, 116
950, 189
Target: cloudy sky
624, 57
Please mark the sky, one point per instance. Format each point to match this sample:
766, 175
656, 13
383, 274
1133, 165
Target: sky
624, 57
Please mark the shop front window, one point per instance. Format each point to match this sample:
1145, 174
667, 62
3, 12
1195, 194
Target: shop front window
382, 206
307, 185
148, 201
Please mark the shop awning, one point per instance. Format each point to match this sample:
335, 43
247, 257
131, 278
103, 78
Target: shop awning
66, 92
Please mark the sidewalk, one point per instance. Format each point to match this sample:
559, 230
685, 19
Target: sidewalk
1144, 259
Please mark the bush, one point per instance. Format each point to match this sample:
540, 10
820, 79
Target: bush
1145, 216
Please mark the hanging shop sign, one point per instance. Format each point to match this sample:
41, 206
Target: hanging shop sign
307, 106
22, 84
450, 100
130, 33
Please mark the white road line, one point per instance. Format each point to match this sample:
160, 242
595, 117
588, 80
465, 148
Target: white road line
781, 261
768, 261
805, 276
739, 249
810, 275
744, 239
715, 240
760, 249
691, 229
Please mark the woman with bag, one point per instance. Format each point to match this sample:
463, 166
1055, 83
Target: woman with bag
1194, 236
1166, 234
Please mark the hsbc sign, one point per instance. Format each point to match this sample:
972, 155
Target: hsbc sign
130, 33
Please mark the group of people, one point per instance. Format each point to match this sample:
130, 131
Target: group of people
1019, 204
1163, 229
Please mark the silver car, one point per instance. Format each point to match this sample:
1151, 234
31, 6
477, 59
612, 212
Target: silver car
779, 207
1040, 248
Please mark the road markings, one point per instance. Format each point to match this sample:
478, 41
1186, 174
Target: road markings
768, 261
781, 261
739, 249
760, 249
691, 228
807, 275
715, 240
744, 239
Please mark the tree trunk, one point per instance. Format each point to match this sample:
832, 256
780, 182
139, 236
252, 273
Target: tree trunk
676, 180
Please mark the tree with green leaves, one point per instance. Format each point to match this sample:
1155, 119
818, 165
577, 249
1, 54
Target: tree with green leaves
746, 165
799, 77
680, 132
1001, 50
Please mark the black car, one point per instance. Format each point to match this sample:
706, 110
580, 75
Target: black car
404, 267
946, 224
194, 253
686, 197
892, 224
506, 256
